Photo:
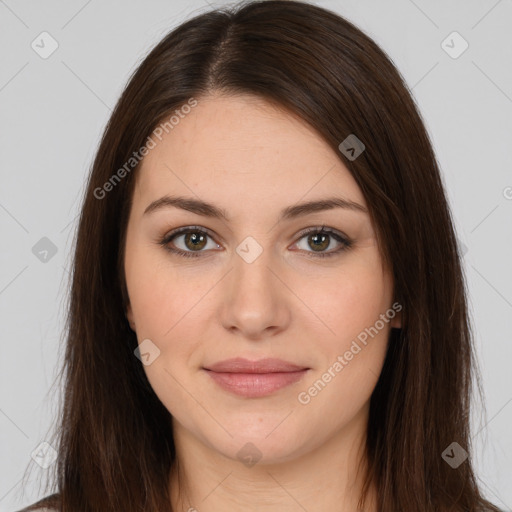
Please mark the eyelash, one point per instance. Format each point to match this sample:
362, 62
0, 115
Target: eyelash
347, 243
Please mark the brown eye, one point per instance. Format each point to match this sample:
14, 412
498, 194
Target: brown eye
319, 239
193, 241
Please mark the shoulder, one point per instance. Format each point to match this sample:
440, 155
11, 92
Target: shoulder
33, 508
48, 504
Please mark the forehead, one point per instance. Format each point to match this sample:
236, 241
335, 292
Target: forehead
233, 149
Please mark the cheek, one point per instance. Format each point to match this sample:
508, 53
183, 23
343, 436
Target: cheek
354, 347
166, 303
345, 302
168, 307
161, 294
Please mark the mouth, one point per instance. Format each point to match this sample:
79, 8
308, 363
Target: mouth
253, 379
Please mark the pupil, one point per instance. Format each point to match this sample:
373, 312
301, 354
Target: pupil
195, 239
322, 244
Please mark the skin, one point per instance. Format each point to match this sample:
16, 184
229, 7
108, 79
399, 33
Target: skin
253, 159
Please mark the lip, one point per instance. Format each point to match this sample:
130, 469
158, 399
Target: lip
254, 379
242, 365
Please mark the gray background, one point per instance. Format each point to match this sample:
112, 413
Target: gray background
53, 112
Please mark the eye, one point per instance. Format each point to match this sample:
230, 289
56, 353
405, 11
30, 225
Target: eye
194, 239
320, 238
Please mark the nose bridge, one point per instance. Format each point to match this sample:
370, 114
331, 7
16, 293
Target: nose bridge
254, 302
252, 270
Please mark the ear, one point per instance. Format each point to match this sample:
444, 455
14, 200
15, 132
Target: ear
129, 317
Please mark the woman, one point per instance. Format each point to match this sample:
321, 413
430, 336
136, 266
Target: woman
267, 308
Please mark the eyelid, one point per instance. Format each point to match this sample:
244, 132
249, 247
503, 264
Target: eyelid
185, 230
339, 236
321, 229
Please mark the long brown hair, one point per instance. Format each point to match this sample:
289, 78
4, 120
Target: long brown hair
114, 442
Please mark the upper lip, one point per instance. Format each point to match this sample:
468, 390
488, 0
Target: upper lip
242, 365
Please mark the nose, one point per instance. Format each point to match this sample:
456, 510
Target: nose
255, 304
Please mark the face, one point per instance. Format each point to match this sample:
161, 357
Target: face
255, 283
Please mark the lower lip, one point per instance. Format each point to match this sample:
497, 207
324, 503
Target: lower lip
253, 385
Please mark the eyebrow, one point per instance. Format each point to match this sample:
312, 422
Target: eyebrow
210, 210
